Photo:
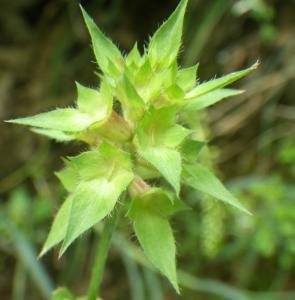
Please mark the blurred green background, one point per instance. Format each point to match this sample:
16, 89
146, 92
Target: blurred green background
222, 253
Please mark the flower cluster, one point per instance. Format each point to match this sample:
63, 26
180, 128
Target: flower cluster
136, 128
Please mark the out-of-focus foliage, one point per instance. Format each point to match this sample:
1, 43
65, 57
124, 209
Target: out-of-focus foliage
22, 226
262, 11
272, 196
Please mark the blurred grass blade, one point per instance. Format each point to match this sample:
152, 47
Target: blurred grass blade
287, 295
134, 277
28, 257
19, 282
211, 287
153, 285
204, 31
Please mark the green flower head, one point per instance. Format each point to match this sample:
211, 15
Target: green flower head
136, 128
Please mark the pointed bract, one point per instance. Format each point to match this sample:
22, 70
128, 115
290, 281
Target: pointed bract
175, 135
60, 124
167, 162
158, 201
103, 175
104, 49
133, 57
92, 201
59, 227
218, 83
155, 124
63, 119
144, 73
69, 178
94, 102
154, 232
190, 150
201, 102
59, 136
200, 178
132, 103
187, 78
165, 43
156, 139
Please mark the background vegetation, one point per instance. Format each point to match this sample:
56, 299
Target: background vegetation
44, 48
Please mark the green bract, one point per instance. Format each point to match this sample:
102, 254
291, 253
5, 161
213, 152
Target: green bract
137, 144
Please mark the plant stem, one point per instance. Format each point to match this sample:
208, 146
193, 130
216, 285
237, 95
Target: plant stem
101, 256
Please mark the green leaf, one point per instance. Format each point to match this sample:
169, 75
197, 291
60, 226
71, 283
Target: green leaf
93, 107
157, 83
156, 237
175, 135
62, 294
57, 135
59, 226
218, 83
156, 136
93, 102
69, 177
86, 165
200, 178
167, 162
145, 170
144, 73
172, 95
158, 128
92, 201
158, 201
113, 70
210, 98
95, 180
88, 99
132, 103
66, 119
190, 150
133, 57
187, 77
104, 50
165, 43
104, 173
